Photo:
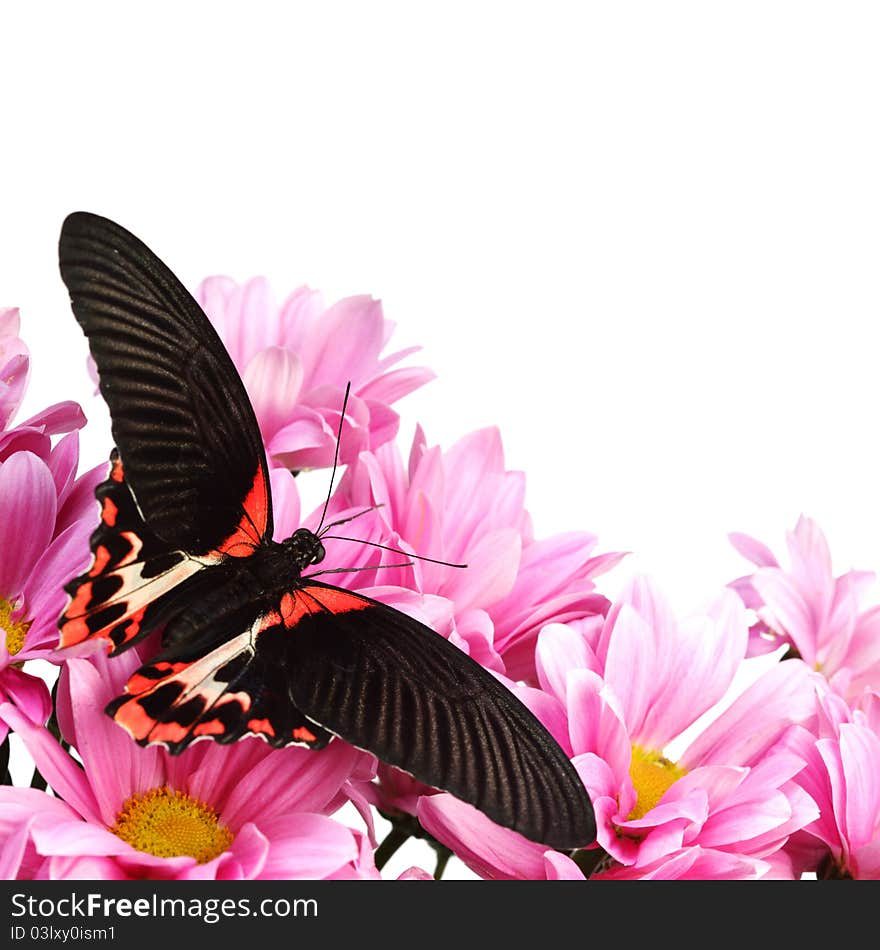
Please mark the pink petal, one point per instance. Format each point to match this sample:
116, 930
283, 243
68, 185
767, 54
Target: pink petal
348, 345
705, 655
44, 594
273, 379
251, 319
389, 387
74, 838
631, 665
562, 648
560, 867
756, 719
415, 874
29, 693
306, 846
292, 779
305, 442
213, 295
80, 502
860, 759
13, 383
63, 463
60, 418
694, 864
491, 571
246, 857
753, 550
27, 518
491, 851
810, 557
595, 725
785, 610
384, 425
117, 767
59, 770
14, 848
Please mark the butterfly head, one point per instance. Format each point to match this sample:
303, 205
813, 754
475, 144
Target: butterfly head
304, 547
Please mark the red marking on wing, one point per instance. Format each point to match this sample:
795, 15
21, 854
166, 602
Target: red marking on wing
109, 511
252, 527
134, 719
140, 684
116, 472
73, 632
270, 619
261, 725
312, 600
302, 734
78, 605
213, 727
133, 625
102, 559
335, 600
166, 732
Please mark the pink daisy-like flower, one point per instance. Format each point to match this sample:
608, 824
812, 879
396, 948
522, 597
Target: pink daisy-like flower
842, 775
821, 617
214, 812
296, 360
617, 703
46, 517
14, 365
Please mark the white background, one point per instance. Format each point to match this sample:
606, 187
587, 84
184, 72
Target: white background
642, 238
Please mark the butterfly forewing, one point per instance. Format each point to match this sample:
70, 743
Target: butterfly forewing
181, 418
387, 683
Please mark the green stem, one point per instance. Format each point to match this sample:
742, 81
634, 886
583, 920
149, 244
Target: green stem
442, 860
393, 840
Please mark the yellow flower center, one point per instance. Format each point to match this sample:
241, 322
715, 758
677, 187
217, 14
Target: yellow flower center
170, 824
652, 774
16, 630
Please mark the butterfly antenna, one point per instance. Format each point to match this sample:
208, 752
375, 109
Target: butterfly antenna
333, 524
385, 547
335, 456
351, 570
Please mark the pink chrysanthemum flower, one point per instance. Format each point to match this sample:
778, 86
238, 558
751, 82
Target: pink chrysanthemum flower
842, 775
46, 516
821, 617
214, 812
616, 703
295, 361
14, 365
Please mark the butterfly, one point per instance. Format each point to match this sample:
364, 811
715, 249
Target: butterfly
253, 644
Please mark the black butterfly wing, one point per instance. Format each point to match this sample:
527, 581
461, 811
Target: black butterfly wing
388, 684
181, 418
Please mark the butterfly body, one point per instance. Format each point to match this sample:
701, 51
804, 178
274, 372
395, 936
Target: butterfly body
253, 643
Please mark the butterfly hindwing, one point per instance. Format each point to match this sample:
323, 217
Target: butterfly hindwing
235, 685
181, 417
134, 582
388, 684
